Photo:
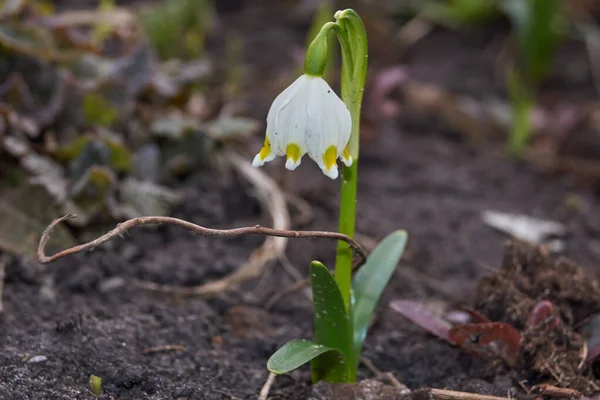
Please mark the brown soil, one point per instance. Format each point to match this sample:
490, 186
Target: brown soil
552, 350
414, 176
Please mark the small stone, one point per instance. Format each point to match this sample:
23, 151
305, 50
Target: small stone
37, 359
111, 284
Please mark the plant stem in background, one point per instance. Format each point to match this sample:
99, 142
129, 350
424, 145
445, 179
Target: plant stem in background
522, 102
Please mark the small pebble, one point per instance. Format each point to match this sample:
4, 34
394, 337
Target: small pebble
111, 284
37, 359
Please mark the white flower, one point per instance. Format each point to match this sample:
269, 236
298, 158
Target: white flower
308, 117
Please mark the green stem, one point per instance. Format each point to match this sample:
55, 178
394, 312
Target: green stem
353, 40
343, 261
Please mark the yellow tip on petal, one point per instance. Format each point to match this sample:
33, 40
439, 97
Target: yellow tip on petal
266, 150
293, 153
329, 165
264, 155
329, 157
346, 157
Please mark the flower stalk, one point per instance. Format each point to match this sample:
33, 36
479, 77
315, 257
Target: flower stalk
353, 40
327, 128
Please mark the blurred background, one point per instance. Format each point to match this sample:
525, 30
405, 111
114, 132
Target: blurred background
481, 122
107, 106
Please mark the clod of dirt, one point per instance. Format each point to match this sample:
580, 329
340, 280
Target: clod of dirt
552, 350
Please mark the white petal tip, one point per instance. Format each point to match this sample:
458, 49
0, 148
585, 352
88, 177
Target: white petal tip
258, 162
347, 161
332, 172
291, 165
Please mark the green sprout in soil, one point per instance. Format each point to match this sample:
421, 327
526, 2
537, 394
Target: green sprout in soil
96, 385
536, 26
309, 118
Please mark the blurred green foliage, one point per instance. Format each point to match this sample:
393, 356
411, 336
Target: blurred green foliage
178, 28
92, 122
456, 13
537, 28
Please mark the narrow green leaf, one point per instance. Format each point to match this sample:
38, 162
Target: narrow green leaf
332, 326
371, 280
296, 353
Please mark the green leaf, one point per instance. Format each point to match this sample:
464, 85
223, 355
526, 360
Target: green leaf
332, 326
98, 110
371, 280
296, 353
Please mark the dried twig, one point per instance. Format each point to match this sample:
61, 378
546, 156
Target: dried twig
222, 233
163, 348
3, 262
384, 375
546, 389
271, 249
443, 394
285, 291
412, 32
264, 392
115, 17
592, 45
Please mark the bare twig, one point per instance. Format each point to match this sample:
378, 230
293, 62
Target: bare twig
289, 268
273, 247
384, 375
285, 291
305, 211
221, 233
546, 389
412, 32
273, 201
592, 45
163, 348
443, 394
3, 262
264, 392
115, 17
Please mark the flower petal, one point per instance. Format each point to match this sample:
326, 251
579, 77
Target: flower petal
288, 122
328, 127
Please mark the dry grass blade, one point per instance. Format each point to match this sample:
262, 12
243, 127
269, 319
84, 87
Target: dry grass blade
443, 394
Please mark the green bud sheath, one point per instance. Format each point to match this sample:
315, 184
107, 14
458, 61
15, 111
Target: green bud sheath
316, 55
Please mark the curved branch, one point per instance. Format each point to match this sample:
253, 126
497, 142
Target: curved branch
222, 233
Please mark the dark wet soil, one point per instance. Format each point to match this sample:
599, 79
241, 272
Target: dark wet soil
83, 316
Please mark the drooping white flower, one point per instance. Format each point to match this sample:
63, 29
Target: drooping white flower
307, 117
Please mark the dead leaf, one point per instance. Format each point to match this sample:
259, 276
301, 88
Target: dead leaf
488, 340
225, 127
142, 198
423, 317
24, 214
